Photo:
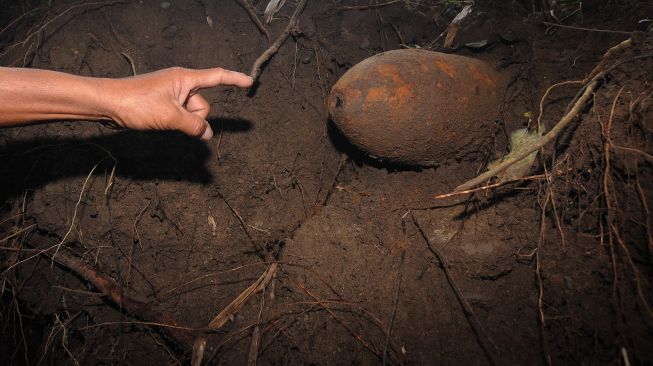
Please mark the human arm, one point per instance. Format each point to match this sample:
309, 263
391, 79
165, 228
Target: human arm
163, 100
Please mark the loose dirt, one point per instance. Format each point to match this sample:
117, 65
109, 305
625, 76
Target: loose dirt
555, 269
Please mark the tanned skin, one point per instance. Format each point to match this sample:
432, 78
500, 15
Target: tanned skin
163, 100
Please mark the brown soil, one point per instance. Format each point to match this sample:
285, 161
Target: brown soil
184, 226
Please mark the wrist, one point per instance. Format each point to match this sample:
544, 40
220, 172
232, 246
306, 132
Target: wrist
105, 98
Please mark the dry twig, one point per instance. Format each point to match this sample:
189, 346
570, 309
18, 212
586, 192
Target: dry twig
198, 351
242, 299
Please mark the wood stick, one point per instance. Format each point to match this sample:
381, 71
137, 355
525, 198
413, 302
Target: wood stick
274, 48
242, 299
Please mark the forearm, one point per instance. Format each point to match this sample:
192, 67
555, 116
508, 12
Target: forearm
167, 99
28, 95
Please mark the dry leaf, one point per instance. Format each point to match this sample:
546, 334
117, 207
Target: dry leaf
520, 140
213, 224
452, 29
273, 7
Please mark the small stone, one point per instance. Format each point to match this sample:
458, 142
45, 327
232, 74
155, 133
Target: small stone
569, 283
365, 44
307, 59
165, 4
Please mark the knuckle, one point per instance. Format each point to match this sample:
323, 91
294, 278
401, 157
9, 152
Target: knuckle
220, 73
177, 71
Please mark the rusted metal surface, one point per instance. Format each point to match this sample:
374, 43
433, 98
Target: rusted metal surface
417, 107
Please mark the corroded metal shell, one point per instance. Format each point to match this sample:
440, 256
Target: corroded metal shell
417, 107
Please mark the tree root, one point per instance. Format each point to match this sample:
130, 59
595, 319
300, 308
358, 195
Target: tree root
274, 48
112, 292
582, 97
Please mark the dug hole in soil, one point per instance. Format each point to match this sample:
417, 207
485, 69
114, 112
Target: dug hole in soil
280, 242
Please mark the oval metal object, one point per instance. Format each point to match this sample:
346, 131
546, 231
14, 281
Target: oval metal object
418, 107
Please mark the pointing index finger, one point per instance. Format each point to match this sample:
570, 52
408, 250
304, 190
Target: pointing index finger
208, 78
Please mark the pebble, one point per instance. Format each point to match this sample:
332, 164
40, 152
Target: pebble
569, 283
365, 44
165, 4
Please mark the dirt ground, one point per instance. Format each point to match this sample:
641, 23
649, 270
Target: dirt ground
556, 269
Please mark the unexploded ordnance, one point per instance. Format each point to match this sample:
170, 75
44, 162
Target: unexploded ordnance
418, 107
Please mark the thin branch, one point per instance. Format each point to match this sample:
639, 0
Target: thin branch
256, 68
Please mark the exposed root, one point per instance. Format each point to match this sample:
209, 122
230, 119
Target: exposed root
292, 24
585, 29
131, 62
73, 220
371, 6
487, 344
394, 307
112, 291
364, 342
256, 335
611, 217
37, 33
583, 96
540, 284
549, 137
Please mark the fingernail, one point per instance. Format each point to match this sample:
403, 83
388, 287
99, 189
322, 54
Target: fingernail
208, 133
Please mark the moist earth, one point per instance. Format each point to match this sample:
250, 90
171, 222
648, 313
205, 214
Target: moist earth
372, 268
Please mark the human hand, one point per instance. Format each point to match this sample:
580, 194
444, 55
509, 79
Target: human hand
167, 99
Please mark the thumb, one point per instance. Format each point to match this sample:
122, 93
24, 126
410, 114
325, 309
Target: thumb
194, 125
